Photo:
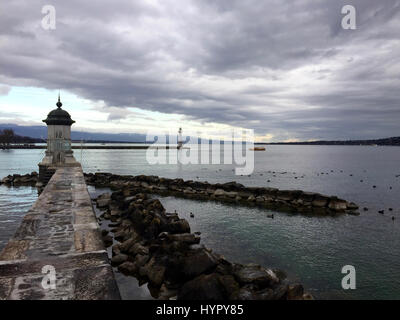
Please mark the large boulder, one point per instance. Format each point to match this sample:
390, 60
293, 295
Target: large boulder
141, 219
24, 180
280, 292
128, 268
231, 194
189, 191
103, 200
180, 226
115, 212
286, 195
153, 204
120, 235
232, 186
295, 292
116, 249
188, 238
138, 249
307, 197
255, 274
154, 271
337, 204
7, 180
320, 201
118, 259
265, 294
351, 206
260, 199
166, 293
270, 191
219, 193
199, 262
107, 240
141, 260
244, 194
230, 285
203, 287
126, 245
245, 293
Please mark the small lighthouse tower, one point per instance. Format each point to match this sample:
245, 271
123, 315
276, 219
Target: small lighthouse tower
180, 141
59, 152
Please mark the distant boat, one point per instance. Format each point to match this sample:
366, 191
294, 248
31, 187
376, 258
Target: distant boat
257, 149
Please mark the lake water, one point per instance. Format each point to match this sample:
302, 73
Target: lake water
312, 250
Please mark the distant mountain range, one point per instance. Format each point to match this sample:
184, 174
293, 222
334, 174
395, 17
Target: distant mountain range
40, 132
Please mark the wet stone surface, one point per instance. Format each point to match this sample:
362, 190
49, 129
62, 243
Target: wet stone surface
60, 230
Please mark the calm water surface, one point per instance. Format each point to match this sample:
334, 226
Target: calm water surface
311, 250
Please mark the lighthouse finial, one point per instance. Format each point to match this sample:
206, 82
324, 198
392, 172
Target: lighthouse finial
59, 104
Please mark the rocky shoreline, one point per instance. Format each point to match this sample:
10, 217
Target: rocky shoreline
29, 179
158, 247
295, 201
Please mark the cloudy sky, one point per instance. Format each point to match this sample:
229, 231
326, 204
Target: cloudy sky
286, 69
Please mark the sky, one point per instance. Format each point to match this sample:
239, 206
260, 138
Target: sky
286, 69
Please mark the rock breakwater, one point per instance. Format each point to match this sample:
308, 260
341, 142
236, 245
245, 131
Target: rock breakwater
29, 179
295, 201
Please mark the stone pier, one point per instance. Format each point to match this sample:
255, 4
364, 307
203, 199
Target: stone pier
60, 231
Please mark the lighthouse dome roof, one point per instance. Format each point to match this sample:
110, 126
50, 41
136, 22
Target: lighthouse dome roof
59, 116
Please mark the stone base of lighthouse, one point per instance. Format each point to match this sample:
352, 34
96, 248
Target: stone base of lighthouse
49, 166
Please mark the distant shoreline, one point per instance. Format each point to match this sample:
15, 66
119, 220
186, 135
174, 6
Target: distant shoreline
392, 141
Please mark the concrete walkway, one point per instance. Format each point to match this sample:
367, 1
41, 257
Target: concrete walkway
60, 231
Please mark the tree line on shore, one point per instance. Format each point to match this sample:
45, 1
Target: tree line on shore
8, 137
393, 141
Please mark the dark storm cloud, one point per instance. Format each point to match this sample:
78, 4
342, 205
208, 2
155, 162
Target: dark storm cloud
285, 68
